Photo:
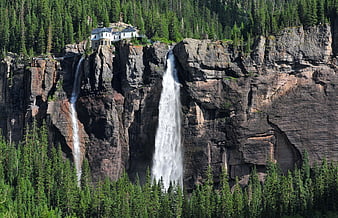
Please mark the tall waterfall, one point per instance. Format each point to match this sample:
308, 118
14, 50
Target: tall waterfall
75, 127
167, 160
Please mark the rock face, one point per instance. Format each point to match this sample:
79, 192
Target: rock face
118, 108
140, 70
79, 48
14, 97
273, 105
238, 111
24, 92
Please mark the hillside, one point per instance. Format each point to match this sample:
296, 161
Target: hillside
35, 27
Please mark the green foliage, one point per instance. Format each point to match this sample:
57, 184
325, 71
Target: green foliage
140, 42
225, 202
254, 193
164, 40
33, 26
46, 26
37, 181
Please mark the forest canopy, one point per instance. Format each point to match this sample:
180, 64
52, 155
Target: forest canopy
31, 27
36, 180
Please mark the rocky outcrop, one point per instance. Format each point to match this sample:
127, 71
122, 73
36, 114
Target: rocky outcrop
79, 48
299, 46
243, 111
25, 86
138, 77
14, 97
118, 107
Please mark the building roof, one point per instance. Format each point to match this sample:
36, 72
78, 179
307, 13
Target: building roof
112, 30
129, 29
101, 30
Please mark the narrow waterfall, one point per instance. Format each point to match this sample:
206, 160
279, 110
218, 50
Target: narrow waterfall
167, 160
75, 127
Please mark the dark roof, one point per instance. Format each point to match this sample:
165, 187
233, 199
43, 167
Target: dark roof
101, 30
129, 29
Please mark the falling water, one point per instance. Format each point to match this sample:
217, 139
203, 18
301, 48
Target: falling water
76, 143
167, 160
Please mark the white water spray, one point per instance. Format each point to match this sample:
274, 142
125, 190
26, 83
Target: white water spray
167, 160
76, 142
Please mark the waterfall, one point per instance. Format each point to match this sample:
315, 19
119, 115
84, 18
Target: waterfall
75, 127
167, 160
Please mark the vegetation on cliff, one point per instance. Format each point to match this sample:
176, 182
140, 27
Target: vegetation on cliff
36, 181
35, 27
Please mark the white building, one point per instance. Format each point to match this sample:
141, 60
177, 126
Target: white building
107, 36
129, 32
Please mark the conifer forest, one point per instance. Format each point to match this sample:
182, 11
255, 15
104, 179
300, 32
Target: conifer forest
33, 27
37, 181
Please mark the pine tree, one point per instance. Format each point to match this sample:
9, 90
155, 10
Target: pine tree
238, 200
4, 29
173, 28
287, 197
254, 192
85, 195
321, 12
115, 10
300, 192
69, 30
226, 201
271, 190
41, 40
207, 193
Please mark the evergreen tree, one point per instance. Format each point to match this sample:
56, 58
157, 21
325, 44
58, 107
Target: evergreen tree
238, 200
226, 201
271, 191
36, 181
254, 192
41, 40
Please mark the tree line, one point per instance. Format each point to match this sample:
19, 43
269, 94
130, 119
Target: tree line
37, 181
32, 27
44, 26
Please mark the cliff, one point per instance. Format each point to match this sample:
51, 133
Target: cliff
243, 111
238, 110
